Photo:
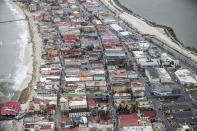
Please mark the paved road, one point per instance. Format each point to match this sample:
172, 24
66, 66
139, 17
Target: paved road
176, 54
147, 92
155, 102
61, 83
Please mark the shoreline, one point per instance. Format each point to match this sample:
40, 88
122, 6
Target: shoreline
24, 67
34, 47
148, 28
28, 47
169, 30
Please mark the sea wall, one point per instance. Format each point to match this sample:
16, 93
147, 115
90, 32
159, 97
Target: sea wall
149, 29
169, 31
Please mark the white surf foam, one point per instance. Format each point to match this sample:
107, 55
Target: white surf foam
22, 64
15, 10
22, 42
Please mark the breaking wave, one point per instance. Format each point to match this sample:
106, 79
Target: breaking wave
22, 42
22, 64
14, 9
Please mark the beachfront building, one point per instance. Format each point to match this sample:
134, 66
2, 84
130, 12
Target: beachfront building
168, 61
10, 108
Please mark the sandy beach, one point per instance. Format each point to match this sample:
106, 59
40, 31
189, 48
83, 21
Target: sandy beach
145, 29
34, 48
33, 74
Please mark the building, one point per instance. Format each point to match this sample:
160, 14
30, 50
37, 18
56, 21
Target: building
138, 88
116, 28
38, 124
152, 75
164, 76
144, 63
10, 108
128, 120
32, 7
160, 90
137, 128
119, 97
78, 104
186, 78
167, 61
132, 75
82, 112
144, 104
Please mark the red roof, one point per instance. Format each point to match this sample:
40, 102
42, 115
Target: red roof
45, 118
51, 107
98, 62
42, 107
89, 119
88, 3
150, 114
71, 51
96, 118
69, 129
93, 55
109, 121
75, 73
10, 108
43, 17
110, 40
101, 122
65, 119
91, 39
45, 127
31, 108
129, 120
29, 125
11, 103
36, 101
91, 102
70, 84
122, 74
46, 101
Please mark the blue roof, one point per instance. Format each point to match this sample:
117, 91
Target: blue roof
66, 11
109, 37
76, 118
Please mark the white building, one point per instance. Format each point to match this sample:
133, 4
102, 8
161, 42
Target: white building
137, 128
186, 78
116, 27
78, 104
168, 61
164, 76
149, 63
32, 7
143, 45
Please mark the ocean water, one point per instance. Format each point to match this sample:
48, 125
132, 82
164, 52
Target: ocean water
180, 15
14, 57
